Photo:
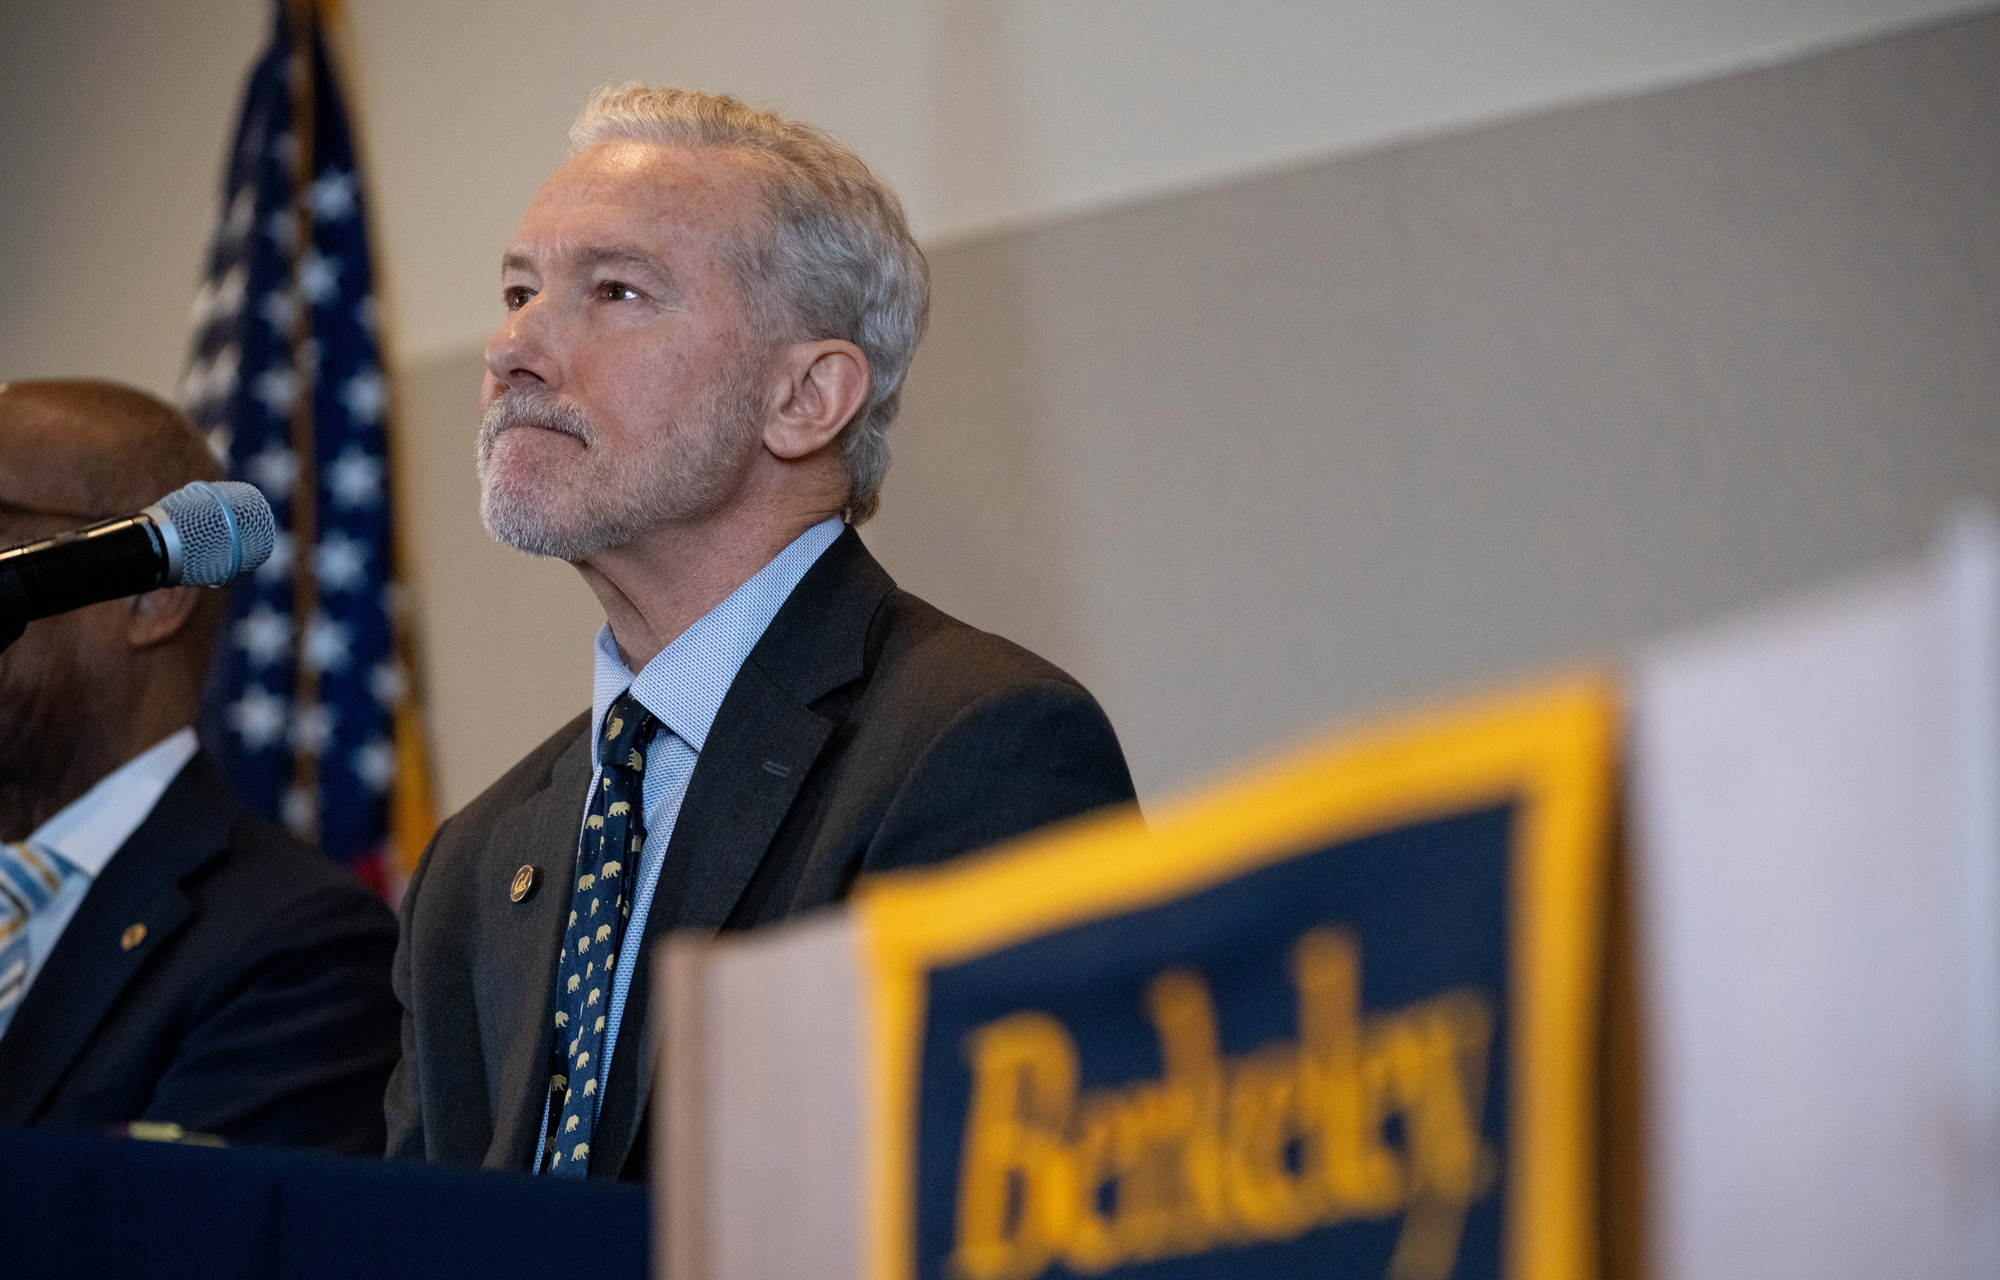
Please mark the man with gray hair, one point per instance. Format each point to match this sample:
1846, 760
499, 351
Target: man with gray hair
710, 312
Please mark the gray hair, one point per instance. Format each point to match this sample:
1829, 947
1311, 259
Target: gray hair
835, 260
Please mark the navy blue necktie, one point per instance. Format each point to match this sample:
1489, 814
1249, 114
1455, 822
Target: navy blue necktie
613, 834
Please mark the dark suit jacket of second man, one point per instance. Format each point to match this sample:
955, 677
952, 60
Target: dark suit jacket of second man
866, 732
219, 976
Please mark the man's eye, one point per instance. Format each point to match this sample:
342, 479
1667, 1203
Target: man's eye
614, 291
516, 296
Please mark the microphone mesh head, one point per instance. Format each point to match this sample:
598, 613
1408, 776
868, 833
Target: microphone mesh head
225, 529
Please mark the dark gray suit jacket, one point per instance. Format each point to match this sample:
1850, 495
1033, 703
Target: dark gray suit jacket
867, 731
255, 1006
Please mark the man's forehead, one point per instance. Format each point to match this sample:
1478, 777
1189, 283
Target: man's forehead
630, 191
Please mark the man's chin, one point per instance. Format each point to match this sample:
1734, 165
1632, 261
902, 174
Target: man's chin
534, 523
510, 521
523, 476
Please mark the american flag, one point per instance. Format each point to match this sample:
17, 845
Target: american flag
310, 708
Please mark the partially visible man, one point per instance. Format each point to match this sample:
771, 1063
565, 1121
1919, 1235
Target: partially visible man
710, 310
165, 956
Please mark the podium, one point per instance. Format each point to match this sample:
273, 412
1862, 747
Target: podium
1691, 970
85, 1207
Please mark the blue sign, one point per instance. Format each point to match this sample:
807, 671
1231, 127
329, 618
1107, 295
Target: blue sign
1336, 1020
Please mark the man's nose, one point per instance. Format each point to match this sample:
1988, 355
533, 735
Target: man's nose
519, 354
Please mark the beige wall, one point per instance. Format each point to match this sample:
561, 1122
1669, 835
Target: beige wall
113, 121
1264, 457
986, 114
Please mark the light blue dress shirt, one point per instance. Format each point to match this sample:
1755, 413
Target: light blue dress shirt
683, 686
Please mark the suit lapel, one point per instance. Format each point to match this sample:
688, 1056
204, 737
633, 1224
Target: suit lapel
517, 978
766, 737
92, 963
764, 742
742, 787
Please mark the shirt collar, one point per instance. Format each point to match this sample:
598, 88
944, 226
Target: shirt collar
685, 682
93, 826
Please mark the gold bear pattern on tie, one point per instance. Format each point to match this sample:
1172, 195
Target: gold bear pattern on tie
591, 943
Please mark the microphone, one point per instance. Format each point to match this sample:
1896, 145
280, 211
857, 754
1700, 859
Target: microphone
202, 535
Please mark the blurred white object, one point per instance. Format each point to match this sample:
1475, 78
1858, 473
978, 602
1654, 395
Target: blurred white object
1817, 825
759, 1146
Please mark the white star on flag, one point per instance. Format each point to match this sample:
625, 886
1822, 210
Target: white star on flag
342, 562
327, 643
280, 309
364, 395
386, 682
284, 149
355, 478
283, 228
319, 276
278, 565
274, 471
278, 389
312, 727
375, 764
264, 634
332, 197
258, 717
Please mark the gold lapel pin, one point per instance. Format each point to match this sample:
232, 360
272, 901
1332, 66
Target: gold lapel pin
524, 883
132, 937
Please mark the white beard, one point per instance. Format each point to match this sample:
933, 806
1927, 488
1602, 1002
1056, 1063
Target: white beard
593, 502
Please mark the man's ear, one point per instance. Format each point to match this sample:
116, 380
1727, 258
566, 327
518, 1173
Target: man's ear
826, 383
158, 616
